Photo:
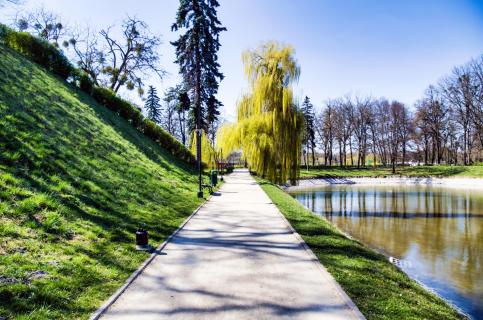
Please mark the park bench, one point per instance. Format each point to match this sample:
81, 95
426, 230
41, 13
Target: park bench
208, 186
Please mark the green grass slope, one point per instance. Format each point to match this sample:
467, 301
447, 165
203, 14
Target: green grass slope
76, 181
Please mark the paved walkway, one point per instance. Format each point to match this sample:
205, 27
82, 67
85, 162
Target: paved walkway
237, 258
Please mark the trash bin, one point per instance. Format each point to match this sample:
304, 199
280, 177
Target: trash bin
142, 240
214, 177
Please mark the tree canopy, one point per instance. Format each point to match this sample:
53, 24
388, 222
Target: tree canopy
197, 56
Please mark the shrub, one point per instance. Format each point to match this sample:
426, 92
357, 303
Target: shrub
38, 50
3, 31
134, 116
85, 83
167, 141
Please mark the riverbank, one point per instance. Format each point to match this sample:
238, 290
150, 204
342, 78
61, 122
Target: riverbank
436, 171
378, 288
467, 183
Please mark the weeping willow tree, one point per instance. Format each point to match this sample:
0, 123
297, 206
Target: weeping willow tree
269, 126
208, 152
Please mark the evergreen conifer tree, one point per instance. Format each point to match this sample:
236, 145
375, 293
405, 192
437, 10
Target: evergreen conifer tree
197, 56
309, 134
152, 105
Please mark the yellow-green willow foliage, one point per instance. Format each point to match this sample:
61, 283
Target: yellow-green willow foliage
208, 154
268, 127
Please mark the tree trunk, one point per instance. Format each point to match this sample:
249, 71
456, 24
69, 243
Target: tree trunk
403, 153
465, 144
330, 149
341, 159
344, 154
198, 95
350, 150
426, 153
181, 128
313, 156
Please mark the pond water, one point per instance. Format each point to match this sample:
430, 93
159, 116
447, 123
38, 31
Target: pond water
436, 233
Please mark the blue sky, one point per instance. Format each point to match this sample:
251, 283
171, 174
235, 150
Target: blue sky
369, 47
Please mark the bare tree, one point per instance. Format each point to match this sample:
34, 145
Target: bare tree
437, 120
342, 128
86, 52
168, 121
127, 60
360, 121
329, 134
394, 138
43, 23
422, 134
325, 131
177, 105
462, 90
453, 143
349, 110
406, 129
476, 72
447, 126
380, 130
372, 124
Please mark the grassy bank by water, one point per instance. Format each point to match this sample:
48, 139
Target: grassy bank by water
76, 181
443, 171
378, 288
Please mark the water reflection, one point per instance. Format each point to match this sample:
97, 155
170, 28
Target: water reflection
436, 231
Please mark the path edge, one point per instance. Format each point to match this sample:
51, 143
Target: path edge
113, 298
316, 261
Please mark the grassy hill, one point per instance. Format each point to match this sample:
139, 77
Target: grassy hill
76, 181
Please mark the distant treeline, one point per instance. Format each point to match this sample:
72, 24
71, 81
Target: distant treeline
446, 125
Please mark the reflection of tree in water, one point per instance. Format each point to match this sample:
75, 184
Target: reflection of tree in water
467, 263
397, 219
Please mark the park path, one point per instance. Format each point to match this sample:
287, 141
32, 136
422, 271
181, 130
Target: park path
237, 258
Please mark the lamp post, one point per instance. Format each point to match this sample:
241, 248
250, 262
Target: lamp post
222, 164
305, 156
198, 155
